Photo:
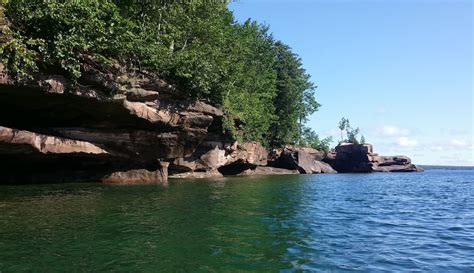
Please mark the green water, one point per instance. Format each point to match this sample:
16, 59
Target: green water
185, 227
330, 223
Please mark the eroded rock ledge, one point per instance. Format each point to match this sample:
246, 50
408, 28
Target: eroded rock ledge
112, 125
350, 157
126, 127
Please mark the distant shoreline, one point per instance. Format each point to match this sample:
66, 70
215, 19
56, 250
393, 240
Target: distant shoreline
446, 167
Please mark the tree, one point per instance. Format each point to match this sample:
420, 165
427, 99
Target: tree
259, 83
294, 100
362, 139
352, 135
343, 125
311, 139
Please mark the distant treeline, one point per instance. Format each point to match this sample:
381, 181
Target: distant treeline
439, 167
257, 80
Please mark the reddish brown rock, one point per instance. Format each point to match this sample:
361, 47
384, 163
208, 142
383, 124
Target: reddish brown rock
22, 141
304, 159
322, 167
198, 174
360, 158
54, 84
127, 131
140, 176
263, 170
141, 95
228, 158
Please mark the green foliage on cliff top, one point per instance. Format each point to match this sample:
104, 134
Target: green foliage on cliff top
258, 81
352, 133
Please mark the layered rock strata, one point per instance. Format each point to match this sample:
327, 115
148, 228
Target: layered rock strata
351, 157
113, 124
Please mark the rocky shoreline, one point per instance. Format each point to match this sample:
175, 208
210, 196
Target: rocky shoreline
52, 130
123, 127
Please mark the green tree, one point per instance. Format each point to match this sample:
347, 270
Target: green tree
258, 82
343, 126
352, 135
294, 100
311, 139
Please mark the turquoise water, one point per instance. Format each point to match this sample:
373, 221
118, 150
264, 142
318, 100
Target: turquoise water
336, 223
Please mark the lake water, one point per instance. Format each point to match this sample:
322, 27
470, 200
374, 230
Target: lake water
335, 223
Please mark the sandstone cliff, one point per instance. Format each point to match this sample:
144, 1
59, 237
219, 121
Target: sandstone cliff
351, 157
119, 125
111, 120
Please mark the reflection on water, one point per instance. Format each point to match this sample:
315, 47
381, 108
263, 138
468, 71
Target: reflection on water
374, 222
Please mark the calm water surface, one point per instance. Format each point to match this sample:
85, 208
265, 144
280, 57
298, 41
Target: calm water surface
331, 223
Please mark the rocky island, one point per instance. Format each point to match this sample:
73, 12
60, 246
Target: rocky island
79, 109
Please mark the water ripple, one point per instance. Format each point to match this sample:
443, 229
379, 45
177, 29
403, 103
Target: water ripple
330, 223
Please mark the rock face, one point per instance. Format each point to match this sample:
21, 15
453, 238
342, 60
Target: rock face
61, 131
121, 137
126, 127
351, 157
264, 170
141, 176
18, 141
198, 174
303, 159
214, 158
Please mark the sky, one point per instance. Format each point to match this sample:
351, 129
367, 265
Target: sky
400, 70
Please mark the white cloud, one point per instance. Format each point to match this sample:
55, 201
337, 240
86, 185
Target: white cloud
406, 142
388, 130
458, 143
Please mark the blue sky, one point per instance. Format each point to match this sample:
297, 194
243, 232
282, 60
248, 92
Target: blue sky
401, 70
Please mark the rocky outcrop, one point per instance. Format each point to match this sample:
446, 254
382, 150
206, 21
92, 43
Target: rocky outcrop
303, 159
25, 142
125, 127
265, 170
198, 174
351, 157
141, 176
394, 164
322, 167
120, 123
213, 156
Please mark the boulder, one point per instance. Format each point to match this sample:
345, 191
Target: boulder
141, 95
140, 176
392, 160
264, 170
213, 159
323, 167
252, 153
230, 158
303, 159
351, 157
54, 84
198, 174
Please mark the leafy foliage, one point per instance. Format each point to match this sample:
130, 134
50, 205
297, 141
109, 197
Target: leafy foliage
351, 133
311, 139
295, 100
258, 82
